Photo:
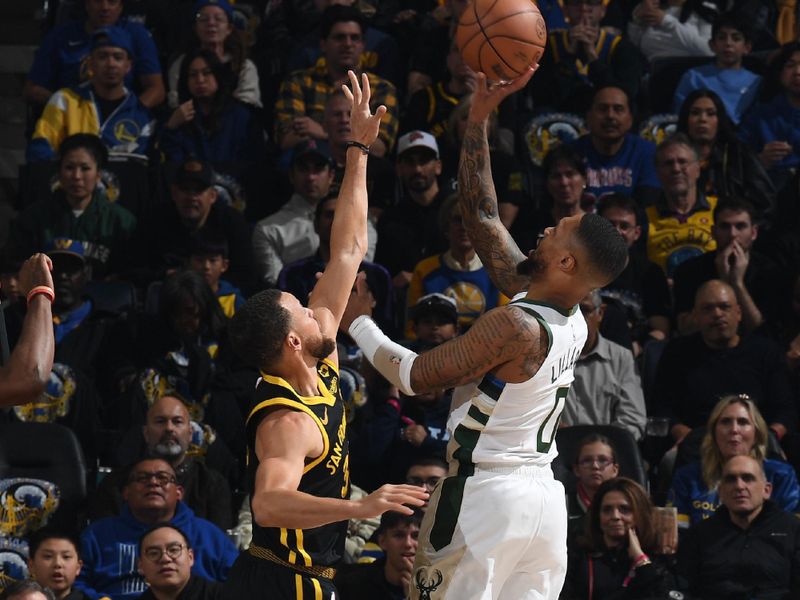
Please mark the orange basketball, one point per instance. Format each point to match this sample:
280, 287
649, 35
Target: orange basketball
501, 38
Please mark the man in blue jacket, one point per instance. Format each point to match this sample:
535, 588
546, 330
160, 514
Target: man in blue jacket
109, 547
102, 106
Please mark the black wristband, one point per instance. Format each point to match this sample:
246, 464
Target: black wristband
359, 145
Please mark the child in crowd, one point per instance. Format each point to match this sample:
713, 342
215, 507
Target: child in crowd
738, 87
209, 258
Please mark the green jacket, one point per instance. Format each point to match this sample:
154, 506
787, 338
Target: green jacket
104, 228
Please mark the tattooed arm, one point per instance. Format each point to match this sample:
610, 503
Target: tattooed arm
504, 339
494, 245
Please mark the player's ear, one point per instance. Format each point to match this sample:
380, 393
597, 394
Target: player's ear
568, 263
294, 342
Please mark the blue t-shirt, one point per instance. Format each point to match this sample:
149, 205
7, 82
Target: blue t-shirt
738, 88
632, 167
61, 60
776, 120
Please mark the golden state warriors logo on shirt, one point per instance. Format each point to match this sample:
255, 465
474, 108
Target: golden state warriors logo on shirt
13, 561
551, 130
55, 402
470, 300
26, 504
126, 131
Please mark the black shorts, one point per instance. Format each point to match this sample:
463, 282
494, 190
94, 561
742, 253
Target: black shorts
251, 578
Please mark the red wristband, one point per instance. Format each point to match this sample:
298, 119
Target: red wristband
642, 556
44, 290
394, 403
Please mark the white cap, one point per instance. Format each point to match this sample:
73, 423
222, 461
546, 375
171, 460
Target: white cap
417, 139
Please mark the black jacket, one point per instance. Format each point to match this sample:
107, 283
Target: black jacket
721, 561
196, 588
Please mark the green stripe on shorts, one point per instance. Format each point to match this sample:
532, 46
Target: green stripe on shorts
447, 511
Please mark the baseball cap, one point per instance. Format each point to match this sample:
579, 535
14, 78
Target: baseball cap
66, 246
417, 139
316, 148
193, 173
435, 303
223, 4
115, 37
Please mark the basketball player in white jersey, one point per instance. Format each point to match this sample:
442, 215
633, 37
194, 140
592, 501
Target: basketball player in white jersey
496, 527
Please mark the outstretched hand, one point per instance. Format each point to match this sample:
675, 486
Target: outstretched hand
364, 126
34, 272
401, 498
488, 96
361, 302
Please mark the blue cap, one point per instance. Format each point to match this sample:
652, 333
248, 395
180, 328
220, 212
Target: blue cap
115, 37
62, 245
223, 4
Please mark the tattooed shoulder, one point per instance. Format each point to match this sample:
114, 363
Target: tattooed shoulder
533, 342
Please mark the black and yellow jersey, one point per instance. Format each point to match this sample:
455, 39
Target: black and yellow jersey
326, 476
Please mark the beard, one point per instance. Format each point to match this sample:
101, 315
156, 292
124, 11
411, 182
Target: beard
531, 266
322, 347
168, 449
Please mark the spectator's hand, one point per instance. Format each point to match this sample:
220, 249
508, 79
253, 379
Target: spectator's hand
360, 303
390, 498
308, 128
402, 279
634, 547
773, 153
406, 574
584, 36
731, 263
364, 126
34, 272
488, 96
181, 115
415, 434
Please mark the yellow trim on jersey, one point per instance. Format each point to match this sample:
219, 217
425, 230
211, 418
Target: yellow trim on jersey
228, 304
431, 103
302, 407
285, 543
325, 398
317, 589
298, 533
298, 586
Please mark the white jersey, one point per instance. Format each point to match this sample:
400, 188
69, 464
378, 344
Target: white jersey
516, 423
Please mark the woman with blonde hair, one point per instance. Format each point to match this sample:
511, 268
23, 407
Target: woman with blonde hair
735, 428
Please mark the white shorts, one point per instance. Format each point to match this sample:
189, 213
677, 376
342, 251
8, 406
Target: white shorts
500, 534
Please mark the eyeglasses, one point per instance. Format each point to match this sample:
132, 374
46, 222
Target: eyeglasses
173, 551
429, 482
162, 478
589, 461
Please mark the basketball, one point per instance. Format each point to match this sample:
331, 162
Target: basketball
501, 38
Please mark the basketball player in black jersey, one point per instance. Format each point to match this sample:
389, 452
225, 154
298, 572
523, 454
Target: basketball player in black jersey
297, 450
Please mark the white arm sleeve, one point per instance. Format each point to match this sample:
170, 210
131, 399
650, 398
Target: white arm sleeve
392, 360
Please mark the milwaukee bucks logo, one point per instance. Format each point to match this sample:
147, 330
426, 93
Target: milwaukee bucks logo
426, 586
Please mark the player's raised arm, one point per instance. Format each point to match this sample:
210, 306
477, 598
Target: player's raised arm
501, 338
349, 230
26, 375
494, 245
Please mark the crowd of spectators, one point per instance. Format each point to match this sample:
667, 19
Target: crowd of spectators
181, 160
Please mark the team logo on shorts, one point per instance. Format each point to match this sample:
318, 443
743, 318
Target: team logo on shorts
425, 585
